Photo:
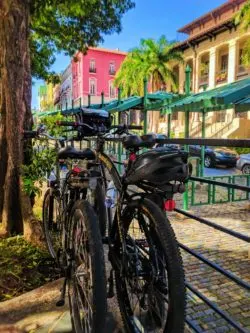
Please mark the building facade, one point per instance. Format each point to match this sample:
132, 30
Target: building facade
93, 74
66, 95
213, 50
46, 97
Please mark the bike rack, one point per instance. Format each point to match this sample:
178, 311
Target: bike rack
233, 277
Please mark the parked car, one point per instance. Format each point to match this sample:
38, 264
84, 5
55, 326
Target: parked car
216, 156
213, 156
243, 163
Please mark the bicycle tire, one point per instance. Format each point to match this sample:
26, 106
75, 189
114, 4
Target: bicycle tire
164, 239
82, 215
53, 242
100, 208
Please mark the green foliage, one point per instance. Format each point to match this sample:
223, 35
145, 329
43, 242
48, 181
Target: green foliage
18, 267
151, 61
42, 162
70, 25
43, 156
243, 20
241, 151
51, 126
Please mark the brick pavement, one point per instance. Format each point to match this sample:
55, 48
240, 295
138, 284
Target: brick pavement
225, 250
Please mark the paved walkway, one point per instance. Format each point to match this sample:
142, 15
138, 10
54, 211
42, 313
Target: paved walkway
228, 252
35, 312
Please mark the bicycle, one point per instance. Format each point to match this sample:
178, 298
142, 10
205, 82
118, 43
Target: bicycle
145, 258
77, 247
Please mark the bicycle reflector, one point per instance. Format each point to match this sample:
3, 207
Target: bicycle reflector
169, 205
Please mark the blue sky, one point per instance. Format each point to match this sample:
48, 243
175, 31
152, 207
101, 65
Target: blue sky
149, 19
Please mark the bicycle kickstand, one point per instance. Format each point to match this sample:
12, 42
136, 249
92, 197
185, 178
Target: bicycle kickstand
61, 300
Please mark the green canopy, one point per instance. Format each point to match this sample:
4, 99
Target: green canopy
157, 101
232, 95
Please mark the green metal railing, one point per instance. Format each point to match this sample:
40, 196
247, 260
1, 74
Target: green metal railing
207, 194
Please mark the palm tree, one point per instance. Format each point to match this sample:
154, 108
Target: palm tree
151, 60
243, 20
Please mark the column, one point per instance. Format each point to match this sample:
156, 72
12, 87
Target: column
232, 60
212, 67
181, 78
196, 73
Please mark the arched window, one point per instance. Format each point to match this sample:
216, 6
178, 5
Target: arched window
112, 90
112, 68
92, 68
92, 86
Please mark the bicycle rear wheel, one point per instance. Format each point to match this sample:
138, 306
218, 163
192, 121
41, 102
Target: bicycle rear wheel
100, 208
87, 288
150, 286
52, 223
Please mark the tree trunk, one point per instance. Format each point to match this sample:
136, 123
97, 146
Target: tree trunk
15, 100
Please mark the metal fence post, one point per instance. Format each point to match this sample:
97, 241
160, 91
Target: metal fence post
102, 99
119, 143
169, 124
203, 132
145, 120
187, 90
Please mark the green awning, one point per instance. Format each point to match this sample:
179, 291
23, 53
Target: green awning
228, 96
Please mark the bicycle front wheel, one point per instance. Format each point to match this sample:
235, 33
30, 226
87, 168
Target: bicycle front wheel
87, 288
150, 286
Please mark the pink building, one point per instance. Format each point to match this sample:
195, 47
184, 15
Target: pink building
94, 73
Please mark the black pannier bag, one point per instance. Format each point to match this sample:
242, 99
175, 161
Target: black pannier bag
100, 120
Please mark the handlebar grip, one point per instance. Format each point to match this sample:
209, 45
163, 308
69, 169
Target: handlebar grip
135, 127
30, 134
68, 123
126, 127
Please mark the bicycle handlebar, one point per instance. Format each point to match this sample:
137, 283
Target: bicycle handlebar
68, 123
30, 134
129, 127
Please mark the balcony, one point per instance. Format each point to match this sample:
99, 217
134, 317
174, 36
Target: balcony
242, 72
203, 80
112, 72
221, 76
92, 70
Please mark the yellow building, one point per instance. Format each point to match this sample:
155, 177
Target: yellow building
213, 50
46, 97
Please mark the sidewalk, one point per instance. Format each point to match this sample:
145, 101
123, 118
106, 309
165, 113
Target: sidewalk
36, 312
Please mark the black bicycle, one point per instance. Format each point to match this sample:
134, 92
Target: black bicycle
146, 262
74, 241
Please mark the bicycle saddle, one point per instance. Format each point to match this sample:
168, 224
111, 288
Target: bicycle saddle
76, 154
135, 141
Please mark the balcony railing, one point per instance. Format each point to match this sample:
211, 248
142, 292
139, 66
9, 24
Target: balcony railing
112, 72
221, 76
203, 80
242, 71
92, 70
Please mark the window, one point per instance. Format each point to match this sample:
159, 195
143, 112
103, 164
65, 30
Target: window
224, 63
175, 116
112, 91
92, 67
92, 87
241, 57
221, 116
112, 68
